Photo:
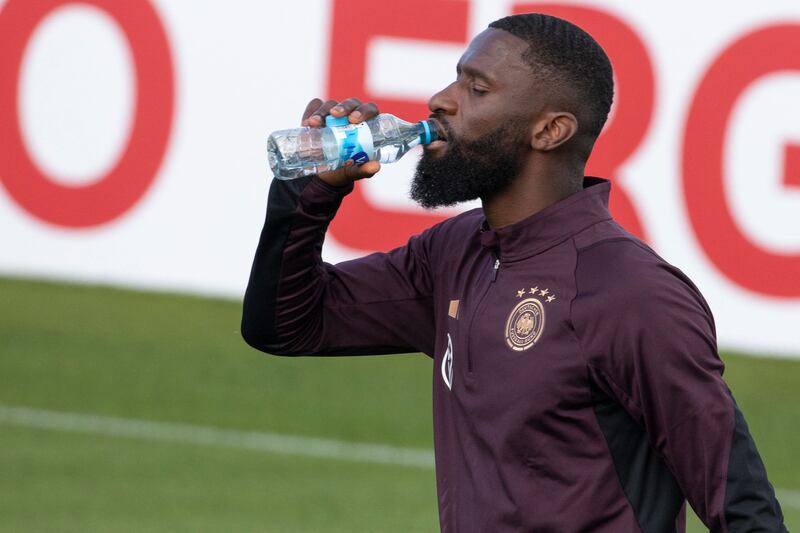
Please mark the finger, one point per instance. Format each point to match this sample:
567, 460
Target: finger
312, 106
364, 112
317, 117
345, 107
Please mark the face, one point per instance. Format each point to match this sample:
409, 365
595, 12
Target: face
485, 116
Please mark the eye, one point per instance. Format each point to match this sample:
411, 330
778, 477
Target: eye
478, 90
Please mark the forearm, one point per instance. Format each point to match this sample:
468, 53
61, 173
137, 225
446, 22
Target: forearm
297, 305
287, 278
750, 503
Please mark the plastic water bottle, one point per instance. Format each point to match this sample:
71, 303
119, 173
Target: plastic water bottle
385, 138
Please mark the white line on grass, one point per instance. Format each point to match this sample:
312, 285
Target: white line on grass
789, 498
212, 436
248, 440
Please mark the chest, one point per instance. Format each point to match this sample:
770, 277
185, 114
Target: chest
505, 342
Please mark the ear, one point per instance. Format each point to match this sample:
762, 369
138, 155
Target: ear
553, 129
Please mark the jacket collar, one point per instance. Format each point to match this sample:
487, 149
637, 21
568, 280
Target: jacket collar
550, 226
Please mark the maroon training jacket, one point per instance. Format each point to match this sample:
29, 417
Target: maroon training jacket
576, 381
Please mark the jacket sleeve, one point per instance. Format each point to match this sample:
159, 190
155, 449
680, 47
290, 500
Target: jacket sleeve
297, 305
650, 343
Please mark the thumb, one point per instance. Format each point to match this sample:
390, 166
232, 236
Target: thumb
350, 172
365, 171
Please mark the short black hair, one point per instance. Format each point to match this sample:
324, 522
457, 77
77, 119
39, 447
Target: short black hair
569, 59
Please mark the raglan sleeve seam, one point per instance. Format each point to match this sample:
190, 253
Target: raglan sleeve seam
582, 348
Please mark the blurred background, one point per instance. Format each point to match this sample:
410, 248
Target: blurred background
133, 185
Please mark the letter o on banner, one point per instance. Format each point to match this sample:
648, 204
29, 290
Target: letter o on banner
767, 50
129, 178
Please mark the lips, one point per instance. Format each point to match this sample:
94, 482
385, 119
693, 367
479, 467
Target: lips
441, 131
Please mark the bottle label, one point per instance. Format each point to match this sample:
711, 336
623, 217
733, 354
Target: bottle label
355, 142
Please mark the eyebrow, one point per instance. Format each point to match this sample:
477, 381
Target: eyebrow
475, 73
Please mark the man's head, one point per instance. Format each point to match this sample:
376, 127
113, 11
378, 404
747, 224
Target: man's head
529, 86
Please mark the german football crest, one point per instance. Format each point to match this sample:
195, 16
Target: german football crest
526, 321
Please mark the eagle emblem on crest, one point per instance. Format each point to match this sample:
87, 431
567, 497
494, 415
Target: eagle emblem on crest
525, 324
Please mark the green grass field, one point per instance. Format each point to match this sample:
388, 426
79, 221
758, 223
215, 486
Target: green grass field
180, 360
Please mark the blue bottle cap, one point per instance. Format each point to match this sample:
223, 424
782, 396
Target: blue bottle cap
429, 133
331, 121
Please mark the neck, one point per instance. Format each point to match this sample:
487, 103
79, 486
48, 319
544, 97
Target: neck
535, 188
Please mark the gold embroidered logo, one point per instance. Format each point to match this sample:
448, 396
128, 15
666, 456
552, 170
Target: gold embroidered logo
526, 321
453, 310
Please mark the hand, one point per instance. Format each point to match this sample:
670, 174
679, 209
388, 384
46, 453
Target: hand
355, 111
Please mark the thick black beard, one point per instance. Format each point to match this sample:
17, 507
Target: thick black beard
470, 170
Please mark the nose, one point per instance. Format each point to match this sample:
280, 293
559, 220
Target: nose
443, 102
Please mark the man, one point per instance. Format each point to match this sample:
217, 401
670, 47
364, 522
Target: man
577, 385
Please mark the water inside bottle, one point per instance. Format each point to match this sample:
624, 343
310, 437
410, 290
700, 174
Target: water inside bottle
300, 152
393, 138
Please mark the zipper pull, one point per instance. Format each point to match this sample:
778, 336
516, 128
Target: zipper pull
495, 269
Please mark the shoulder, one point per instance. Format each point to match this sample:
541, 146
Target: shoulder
620, 278
468, 222
640, 321
450, 231
427, 246
610, 258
